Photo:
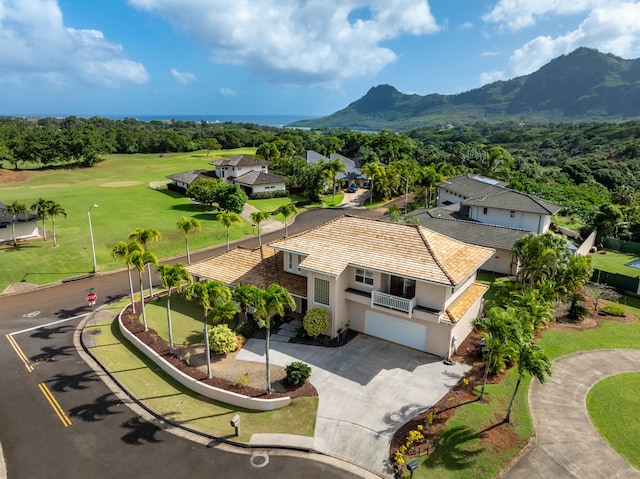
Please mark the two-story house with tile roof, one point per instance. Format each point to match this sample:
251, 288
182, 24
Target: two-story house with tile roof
399, 282
250, 173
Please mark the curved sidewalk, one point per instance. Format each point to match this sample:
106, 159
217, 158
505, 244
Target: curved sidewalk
566, 443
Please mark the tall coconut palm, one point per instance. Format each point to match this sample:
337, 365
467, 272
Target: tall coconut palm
531, 360
140, 259
271, 302
188, 225
287, 211
500, 330
143, 236
15, 209
53, 210
41, 208
123, 251
227, 218
372, 171
172, 276
331, 168
258, 217
204, 294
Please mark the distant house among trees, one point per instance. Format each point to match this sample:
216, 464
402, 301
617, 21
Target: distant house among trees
353, 171
251, 174
181, 181
26, 226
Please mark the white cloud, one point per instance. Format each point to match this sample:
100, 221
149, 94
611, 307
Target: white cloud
298, 41
227, 92
611, 27
466, 26
183, 77
34, 42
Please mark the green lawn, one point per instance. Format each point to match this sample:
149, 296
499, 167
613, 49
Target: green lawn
614, 413
614, 262
168, 398
120, 187
461, 453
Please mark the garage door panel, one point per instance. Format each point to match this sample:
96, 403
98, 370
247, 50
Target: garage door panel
396, 330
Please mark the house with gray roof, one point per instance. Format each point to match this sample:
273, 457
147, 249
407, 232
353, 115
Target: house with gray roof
353, 174
250, 173
181, 181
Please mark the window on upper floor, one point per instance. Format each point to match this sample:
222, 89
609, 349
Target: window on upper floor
485, 211
290, 256
364, 276
299, 261
321, 291
512, 214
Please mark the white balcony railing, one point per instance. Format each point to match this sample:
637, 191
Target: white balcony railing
394, 302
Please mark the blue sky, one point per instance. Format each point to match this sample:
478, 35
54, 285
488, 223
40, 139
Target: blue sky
281, 57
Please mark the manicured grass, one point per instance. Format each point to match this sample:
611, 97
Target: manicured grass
461, 449
168, 398
272, 204
614, 262
614, 413
120, 187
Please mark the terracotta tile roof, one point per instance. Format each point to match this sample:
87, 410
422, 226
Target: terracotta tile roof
402, 249
239, 160
460, 306
259, 267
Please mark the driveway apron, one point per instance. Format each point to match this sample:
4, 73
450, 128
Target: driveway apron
368, 388
566, 443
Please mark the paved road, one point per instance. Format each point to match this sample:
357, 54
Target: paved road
104, 437
567, 444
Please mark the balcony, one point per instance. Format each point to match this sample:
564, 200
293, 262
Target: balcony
390, 301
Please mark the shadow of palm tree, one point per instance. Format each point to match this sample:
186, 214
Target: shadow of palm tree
452, 452
46, 333
50, 354
73, 381
140, 431
94, 412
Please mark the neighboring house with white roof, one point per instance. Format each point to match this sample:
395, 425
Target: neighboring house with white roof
395, 281
26, 226
250, 173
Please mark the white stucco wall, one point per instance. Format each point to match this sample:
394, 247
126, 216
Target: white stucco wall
269, 188
511, 218
24, 230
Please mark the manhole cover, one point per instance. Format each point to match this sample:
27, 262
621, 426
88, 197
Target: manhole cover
259, 460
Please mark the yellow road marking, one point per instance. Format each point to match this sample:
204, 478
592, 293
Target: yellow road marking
19, 352
55, 405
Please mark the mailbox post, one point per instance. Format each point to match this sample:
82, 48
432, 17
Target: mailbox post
235, 423
412, 466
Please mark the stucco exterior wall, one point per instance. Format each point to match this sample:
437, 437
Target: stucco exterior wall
268, 188
511, 218
24, 230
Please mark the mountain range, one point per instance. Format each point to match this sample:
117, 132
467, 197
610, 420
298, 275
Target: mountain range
584, 85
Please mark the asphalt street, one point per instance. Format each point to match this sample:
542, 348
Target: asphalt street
59, 420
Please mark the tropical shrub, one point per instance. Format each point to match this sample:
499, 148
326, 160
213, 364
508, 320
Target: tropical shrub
222, 340
613, 310
316, 321
298, 373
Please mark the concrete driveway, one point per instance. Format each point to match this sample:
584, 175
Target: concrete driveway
368, 389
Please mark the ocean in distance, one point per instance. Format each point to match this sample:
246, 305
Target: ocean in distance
263, 120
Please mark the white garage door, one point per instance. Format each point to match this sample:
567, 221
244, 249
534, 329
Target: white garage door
396, 330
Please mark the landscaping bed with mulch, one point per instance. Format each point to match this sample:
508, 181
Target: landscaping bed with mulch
280, 387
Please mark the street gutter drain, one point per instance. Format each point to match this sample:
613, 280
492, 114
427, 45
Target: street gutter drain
259, 460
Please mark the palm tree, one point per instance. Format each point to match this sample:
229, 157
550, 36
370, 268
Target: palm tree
15, 209
258, 217
227, 218
204, 294
372, 171
188, 225
499, 330
54, 209
531, 360
245, 296
172, 276
41, 208
123, 251
287, 211
271, 302
140, 259
331, 168
143, 235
